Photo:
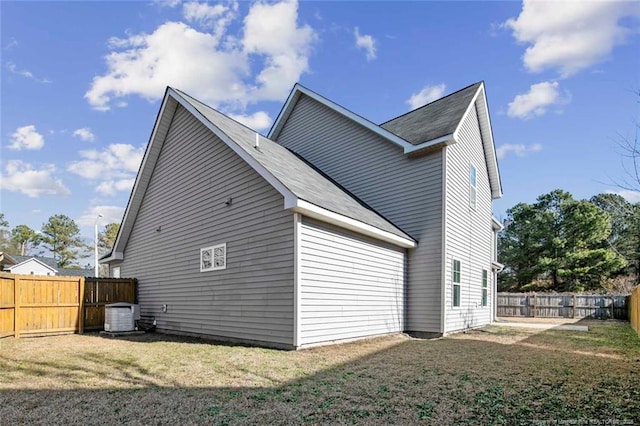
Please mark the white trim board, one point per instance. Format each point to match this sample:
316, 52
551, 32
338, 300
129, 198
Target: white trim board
324, 215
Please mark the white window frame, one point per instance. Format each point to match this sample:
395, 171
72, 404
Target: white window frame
115, 272
484, 297
473, 186
211, 252
455, 283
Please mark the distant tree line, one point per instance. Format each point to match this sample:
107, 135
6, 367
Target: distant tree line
559, 243
60, 235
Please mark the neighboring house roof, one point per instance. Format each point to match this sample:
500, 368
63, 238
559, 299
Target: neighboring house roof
433, 120
49, 261
7, 260
76, 272
305, 190
30, 260
434, 125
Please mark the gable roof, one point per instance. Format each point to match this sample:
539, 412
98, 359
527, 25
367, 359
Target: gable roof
302, 180
299, 90
433, 120
305, 190
30, 260
433, 125
49, 261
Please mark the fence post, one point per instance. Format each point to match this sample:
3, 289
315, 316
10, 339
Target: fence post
611, 306
81, 306
16, 307
534, 304
574, 306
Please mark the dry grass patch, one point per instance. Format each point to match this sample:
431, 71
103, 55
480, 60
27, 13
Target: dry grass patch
496, 376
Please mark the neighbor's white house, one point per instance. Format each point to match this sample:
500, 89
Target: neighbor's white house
329, 228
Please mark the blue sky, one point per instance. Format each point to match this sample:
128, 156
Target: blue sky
81, 84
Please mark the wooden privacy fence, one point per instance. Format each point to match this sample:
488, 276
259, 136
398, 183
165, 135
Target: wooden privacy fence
102, 291
40, 305
562, 305
634, 309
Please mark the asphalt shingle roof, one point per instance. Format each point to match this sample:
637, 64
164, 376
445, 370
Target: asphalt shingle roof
295, 174
49, 261
434, 120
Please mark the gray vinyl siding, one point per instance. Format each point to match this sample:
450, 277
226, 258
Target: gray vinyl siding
468, 231
405, 190
184, 210
350, 286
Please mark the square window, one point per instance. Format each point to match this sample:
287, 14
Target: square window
213, 258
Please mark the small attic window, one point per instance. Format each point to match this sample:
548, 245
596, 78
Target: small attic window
213, 258
473, 186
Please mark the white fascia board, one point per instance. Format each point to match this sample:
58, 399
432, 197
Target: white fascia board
493, 160
289, 197
324, 215
282, 117
33, 259
495, 224
442, 140
116, 255
497, 266
298, 89
494, 175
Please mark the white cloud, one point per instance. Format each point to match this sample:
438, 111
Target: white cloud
26, 137
220, 69
256, 121
571, 35
167, 3
110, 214
84, 134
520, 150
11, 44
629, 195
272, 30
114, 168
111, 187
365, 42
23, 177
216, 17
537, 100
13, 69
426, 95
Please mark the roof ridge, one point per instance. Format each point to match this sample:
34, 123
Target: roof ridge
433, 102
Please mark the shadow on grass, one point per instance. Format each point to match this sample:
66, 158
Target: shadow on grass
473, 379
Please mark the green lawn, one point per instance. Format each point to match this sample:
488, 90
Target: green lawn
495, 376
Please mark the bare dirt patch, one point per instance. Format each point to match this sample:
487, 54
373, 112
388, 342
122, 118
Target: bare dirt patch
492, 376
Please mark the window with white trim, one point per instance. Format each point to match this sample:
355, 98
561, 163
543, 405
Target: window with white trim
213, 258
485, 287
473, 186
456, 283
